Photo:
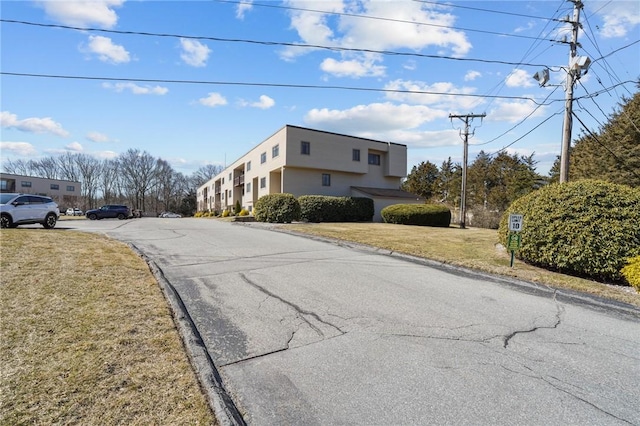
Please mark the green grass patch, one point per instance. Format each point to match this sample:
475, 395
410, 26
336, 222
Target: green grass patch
87, 336
473, 248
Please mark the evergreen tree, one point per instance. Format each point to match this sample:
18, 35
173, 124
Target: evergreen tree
449, 183
613, 152
422, 180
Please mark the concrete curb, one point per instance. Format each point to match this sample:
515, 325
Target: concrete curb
219, 400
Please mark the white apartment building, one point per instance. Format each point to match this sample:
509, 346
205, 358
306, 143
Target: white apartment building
303, 161
64, 192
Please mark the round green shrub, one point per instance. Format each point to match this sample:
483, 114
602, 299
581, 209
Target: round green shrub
278, 208
586, 228
417, 214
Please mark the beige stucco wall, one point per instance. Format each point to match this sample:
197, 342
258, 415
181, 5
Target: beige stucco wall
293, 172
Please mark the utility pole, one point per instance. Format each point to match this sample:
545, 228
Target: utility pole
463, 193
573, 74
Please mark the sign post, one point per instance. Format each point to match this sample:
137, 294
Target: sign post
515, 226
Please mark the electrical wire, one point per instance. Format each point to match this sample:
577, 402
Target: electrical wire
526, 134
281, 85
379, 18
270, 43
595, 138
483, 10
520, 123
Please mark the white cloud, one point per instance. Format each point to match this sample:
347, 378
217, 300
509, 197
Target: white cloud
74, 146
375, 34
619, 17
373, 117
194, 53
105, 155
18, 148
83, 12
243, 7
135, 89
107, 51
32, 125
472, 75
362, 67
529, 26
265, 102
519, 78
97, 137
514, 111
387, 122
442, 95
213, 100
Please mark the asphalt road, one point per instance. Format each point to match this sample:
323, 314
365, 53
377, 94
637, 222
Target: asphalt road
310, 332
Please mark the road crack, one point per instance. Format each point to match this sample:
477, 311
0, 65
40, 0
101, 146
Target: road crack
558, 319
302, 313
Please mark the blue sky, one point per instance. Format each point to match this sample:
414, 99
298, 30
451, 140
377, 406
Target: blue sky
202, 82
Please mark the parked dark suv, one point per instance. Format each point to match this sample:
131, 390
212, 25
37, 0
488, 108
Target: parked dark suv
109, 211
27, 209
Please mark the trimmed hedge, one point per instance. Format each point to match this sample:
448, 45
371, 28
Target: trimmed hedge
322, 208
278, 208
417, 214
585, 228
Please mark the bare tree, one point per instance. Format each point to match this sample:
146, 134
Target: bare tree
89, 169
46, 167
108, 181
138, 173
205, 174
68, 167
18, 167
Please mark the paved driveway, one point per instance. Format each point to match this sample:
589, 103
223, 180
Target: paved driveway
306, 332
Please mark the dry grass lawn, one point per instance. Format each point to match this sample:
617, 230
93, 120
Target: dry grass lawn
87, 336
474, 248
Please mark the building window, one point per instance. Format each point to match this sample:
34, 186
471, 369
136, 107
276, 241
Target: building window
326, 179
71, 188
222, 181
356, 155
248, 165
263, 158
249, 187
305, 148
230, 177
263, 182
275, 151
55, 186
25, 184
4, 185
374, 159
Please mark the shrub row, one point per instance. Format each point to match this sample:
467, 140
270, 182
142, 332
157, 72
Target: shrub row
585, 228
277, 208
417, 214
321, 208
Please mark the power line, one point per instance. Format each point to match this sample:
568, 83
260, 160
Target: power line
379, 18
526, 134
595, 138
271, 43
521, 121
484, 10
281, 85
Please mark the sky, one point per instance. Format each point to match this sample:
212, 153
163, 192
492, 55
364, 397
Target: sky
203, 82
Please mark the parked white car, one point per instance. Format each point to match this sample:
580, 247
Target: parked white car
74, 212
170, 214
26, 209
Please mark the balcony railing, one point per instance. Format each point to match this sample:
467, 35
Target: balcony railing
238, 181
